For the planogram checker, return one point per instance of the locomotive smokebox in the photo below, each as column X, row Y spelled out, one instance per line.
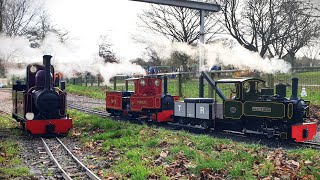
column 281, row 90
column 47, row 65
column 294, row 95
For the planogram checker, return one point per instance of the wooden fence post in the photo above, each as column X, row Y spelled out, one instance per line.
column 127, row 85
column 180, row 85
column 270, row 80
column 98, row 81
column 210, row 89
column 92, row 79
column 115, row 83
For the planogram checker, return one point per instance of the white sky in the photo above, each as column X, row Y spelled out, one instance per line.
column 87, row 20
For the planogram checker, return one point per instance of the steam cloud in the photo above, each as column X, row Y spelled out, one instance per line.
column 67, row 58
column 225, row 53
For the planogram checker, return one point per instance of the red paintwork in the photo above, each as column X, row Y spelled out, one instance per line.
column 176, row 98
column 138, row 103
column 297, row 131
column 114, row 100
column 38, row 127
column 164, row 116
column 149, row 89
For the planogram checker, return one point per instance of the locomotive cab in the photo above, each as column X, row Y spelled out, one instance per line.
column 243, row 88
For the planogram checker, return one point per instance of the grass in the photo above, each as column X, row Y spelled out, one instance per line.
column 93, row 92
column 10, row 163
column 144, row 152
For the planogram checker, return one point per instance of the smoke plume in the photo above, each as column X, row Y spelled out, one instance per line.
column 227, row 53
column 68, row 58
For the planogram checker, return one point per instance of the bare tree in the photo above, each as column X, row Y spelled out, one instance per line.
column 41, row 28
column 18, row 16
column 1, row 15
column 255, row 26
column 301, row 26
column 274, row 28
column 105, row 50
column 178, row 24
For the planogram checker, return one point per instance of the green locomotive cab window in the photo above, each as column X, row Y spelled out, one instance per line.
column 246, row 87
column 259, row 86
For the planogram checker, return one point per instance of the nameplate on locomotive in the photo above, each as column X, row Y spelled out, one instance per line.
column 261, row 109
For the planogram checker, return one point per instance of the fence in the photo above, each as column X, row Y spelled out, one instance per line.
column 186, row 84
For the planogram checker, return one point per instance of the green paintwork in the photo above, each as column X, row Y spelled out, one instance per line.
column 233, row 109
column 264, row 109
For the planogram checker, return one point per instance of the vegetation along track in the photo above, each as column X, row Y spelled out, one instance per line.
column 237, row 136
column 68, row 164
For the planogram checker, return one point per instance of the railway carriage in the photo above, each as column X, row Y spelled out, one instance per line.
column 38, row 105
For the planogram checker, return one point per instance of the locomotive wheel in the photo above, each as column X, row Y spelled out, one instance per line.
column 23, row 126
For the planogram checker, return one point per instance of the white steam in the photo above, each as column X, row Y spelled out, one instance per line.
column 67, row 58
column 239, row 57
column 227, row 54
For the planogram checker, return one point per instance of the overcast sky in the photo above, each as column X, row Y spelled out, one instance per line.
column 87, row 20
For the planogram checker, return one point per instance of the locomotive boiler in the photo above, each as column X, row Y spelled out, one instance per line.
column 38, row 105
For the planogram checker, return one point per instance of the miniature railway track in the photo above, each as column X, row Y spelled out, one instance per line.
column 89, row 102
column 68, row 164
column 312, row 145
column 88, row 110
column 199, row 130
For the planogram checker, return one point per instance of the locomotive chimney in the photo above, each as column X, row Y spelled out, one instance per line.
column 165, row 84
column 294, row 95
column 47, row 65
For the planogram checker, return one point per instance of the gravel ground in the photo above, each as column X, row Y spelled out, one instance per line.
column 86, row 101
column 33, row 154
column 5, row 100
column 90, row 154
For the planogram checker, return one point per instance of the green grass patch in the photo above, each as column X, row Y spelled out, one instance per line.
column 10, row 163
column 145, row 152
column 89, row 91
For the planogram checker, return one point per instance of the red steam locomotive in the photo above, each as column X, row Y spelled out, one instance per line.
column 147, row 101
column 38, row 105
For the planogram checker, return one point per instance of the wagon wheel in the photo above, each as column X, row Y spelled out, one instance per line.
column 204, row 124
column 22, row 125
column 181, row 121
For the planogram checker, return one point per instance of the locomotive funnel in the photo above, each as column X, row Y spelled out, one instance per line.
column 294, row 95
column 47, row 64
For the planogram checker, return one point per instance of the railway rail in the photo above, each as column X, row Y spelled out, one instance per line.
column 174, row 126
column 68, row 164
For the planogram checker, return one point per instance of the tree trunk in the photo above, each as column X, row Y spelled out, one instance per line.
column 291, row 56
column 1, row 16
